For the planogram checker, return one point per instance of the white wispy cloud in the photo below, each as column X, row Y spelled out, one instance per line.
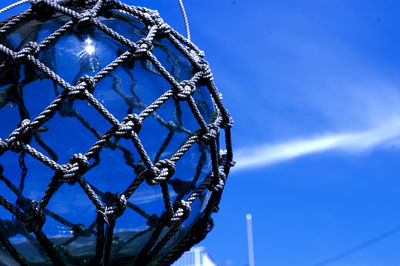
column 267, row 154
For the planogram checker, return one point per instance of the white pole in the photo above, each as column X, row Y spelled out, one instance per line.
column 250, row 246
column 197, row 259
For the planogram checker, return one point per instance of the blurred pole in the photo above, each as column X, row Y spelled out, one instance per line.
column 250, row 247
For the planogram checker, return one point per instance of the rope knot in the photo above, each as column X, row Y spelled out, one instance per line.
column 223, row 159
column 144, row 45
column 25, row 133
column 153, row 17
column 68, row 175
column 217, row 184
column 134, row 121
column 124, row 131
column 35, row 218
column 157, row 19
column 86, row 82
column 211, row 134
column 200, row 52
column 150, row 174
column 227, row 122
column 118, row 205
column 185, row 90
column 85, row 16
column 31, row 48
column 164, row 28
column 22, row 134
column 77, row 165
column 166, row 169
column 182, row 211
column 195, row 54
column 82, row 162
column 205, row 70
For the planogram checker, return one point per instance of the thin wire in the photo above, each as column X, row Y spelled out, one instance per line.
column 359, row 247
column 13, row 5
column 185, row 18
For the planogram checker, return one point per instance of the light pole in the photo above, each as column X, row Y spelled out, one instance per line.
column 250, row 246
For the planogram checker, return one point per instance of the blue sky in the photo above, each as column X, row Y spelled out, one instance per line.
column 314, row 90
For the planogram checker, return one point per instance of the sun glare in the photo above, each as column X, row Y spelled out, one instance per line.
column 89, row 48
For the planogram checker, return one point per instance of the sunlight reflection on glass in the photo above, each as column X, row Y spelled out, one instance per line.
column 89, row 48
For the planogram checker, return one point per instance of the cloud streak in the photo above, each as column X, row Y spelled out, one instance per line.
column 351, row 142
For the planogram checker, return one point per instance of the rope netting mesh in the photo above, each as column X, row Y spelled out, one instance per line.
column 29, row 216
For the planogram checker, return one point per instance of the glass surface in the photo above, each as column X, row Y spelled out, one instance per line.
column 25, row 92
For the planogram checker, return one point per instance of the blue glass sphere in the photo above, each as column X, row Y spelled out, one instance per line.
column 26, row 91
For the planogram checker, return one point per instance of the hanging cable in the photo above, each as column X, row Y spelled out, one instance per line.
column 359, row 247
column 185, row 18
column 13, row 5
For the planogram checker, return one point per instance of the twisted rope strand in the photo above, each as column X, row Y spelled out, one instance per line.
column 13, row 5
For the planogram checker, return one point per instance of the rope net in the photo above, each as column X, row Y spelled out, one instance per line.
column 165, row 237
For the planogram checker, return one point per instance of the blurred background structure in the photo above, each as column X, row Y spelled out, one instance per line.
column 197, row 256
column 314, row 89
